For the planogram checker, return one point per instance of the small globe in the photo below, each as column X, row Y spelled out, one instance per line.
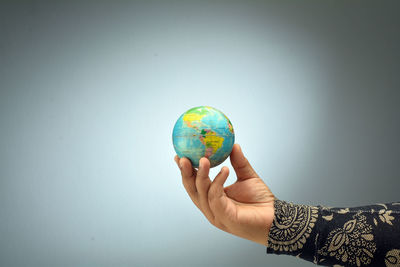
column 203, row 132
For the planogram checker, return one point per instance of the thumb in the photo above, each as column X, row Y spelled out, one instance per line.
column 240, row 164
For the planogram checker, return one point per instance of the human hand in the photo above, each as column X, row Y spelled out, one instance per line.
column 244, row 209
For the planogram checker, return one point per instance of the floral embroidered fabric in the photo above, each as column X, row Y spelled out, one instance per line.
column 359, row 236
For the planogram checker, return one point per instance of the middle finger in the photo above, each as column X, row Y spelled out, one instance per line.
column 203, row 183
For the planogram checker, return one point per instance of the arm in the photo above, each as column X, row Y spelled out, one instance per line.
column 359, row 236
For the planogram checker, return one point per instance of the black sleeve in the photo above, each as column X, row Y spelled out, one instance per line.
column 359, row 236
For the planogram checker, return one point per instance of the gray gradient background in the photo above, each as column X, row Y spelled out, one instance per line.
column 90, row 91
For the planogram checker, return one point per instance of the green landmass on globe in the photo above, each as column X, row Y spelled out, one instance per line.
column 203, row 132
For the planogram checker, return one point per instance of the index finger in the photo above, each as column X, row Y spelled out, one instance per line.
column 188, row 178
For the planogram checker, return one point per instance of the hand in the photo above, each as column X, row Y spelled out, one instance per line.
column 244, row 209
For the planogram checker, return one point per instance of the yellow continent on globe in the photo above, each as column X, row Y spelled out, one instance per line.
column 189, row 118
column 212, row 142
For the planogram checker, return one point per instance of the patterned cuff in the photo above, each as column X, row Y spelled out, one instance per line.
column 293, row 231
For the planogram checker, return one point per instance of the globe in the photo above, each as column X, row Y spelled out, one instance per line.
column 203, row 132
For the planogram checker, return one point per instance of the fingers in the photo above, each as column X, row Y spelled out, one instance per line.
column 217, row 186
column 203, row 183
column 240, row 164
column 188, row 178
column 219, row 203
column 198, row 185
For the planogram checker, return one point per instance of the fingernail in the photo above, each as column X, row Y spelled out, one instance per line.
column 200, row 163
column 180, row 165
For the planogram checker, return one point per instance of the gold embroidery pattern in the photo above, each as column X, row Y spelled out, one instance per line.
column 392, row 258
column 353, row 244
column 292, row 226
column 384, row 216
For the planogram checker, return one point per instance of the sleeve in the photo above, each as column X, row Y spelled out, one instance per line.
column 359, row 236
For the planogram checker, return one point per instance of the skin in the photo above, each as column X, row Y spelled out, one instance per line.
column 244, row 209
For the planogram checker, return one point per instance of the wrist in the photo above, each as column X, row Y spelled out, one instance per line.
column 259, row 229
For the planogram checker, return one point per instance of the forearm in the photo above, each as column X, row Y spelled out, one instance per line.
column 359, row 236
